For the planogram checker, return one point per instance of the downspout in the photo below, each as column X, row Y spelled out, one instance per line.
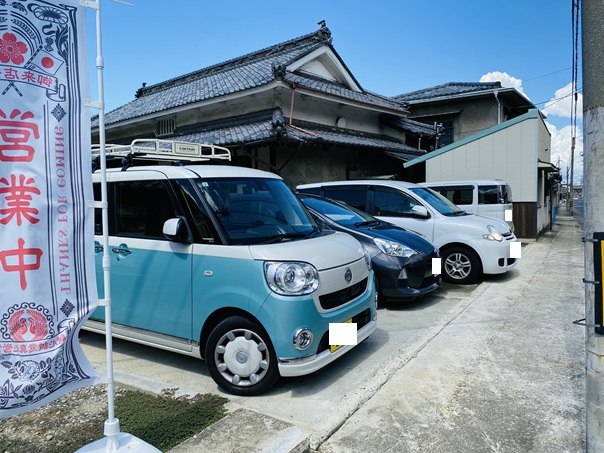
column 291, row 112
column 498, row 108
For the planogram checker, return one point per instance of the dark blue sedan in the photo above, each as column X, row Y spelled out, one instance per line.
column 402, row 260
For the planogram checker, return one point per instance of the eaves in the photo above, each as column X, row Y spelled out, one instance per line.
column 345, row 100
column 456, row 97
column 186, row 107
column 275, row 84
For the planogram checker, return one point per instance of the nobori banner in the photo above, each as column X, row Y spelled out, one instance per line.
column 46, row 230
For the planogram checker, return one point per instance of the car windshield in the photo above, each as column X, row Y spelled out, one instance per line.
column 437, row 201
column 342, row 214
column 257, row 210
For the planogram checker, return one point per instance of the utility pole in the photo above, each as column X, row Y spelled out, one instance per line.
column 592, row 18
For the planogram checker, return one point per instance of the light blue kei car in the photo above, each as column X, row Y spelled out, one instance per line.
column 224, row 263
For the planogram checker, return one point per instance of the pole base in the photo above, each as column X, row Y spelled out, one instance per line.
column 126, row 443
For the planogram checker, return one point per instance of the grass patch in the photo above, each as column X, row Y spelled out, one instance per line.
column 77, row 419
column 165, row 421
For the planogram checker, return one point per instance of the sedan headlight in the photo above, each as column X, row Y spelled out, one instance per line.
column 392, row 248
column 291, row 278
column 494, row 234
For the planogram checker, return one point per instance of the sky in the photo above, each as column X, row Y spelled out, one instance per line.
column 391, row 47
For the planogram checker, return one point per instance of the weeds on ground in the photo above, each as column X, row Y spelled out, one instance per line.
column 65, row 425
column 167, row 421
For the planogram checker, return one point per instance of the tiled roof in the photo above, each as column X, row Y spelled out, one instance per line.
column 249, row 71
column 339, row 90
column 447, row 89
column 407, row 124
column 271, row 125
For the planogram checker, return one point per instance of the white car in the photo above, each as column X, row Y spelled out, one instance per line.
column 470, row 245
column 485, row 197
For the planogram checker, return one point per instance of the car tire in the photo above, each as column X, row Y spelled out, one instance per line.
column 240, row 357
column 460, row 265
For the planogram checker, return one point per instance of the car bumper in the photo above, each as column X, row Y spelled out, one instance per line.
column 495, row 256
column 402, row 278
column 314, row 362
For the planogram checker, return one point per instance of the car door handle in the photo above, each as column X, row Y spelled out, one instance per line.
column 121, row 251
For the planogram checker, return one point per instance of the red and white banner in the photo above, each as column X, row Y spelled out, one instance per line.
column 47, row 275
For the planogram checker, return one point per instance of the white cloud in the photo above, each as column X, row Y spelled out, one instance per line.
column 507, row 81
column 561, row 104
column 561, row 151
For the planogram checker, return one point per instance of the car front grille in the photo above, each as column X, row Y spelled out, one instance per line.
column 361, row 320
column 343, row 296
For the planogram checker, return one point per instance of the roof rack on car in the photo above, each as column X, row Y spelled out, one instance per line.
column 160, row 150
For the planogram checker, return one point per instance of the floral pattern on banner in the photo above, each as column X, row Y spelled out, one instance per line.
column 46, row 229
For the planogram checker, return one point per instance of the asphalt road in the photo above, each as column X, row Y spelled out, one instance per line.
column 304, row 401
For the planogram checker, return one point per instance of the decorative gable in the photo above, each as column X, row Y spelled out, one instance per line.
column 324, row 63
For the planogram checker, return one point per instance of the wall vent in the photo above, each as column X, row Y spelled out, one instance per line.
column 165, row 127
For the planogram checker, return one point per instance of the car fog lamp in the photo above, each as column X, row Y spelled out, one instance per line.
column 303, row 339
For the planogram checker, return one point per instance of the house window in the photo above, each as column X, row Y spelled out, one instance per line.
column 446, row 134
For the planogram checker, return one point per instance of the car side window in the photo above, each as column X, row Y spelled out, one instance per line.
column 142, row 207
column 459, row 195
column 197, row 212
column 98, row 213
column 489, row 195
column 354, row 196
column 392, row 203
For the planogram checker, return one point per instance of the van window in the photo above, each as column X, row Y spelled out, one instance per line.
column 457, row 194
column 198, row 212
column 392, row 203
column 355, row 196
column 98, row 213
column 142, row 207
column 491, row 195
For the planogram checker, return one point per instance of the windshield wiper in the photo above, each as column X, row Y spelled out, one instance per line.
column 281, row 237
column 367, row 223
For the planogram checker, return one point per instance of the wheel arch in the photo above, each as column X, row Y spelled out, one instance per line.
column 451, row 245
column 218, row 316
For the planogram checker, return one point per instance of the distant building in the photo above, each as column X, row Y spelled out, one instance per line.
column 490, row 132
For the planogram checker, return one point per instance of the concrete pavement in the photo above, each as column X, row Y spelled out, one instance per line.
column 502, row 372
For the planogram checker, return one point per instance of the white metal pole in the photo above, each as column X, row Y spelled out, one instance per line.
column 113, row 437
column 112, row 424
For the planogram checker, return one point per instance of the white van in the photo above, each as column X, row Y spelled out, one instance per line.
column 226, row 264
column 485, row 197
column 470, row 245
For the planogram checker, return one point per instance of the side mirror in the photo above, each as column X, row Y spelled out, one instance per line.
column 420, row 211
column 176, row 230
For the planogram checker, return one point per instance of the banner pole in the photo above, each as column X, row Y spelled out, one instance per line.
column 112, row 425
column 114, row 441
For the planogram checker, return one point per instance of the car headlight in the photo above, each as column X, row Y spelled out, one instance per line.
column 367, row 259
column 494, row 234
column 291, row 278
column 392, row 248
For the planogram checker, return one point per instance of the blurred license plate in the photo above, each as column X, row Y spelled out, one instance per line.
column 335, row 347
